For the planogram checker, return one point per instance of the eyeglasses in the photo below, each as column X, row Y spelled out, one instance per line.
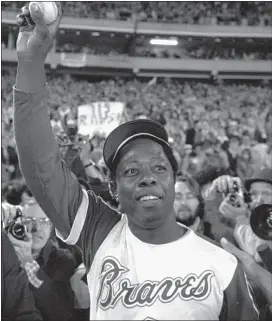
column 30, row 222
column 266, row 195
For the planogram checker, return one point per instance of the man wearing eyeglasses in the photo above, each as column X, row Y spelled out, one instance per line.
column 48, row 268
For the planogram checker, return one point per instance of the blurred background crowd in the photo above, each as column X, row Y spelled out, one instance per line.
column 230, row 121
column 252, row 13
column 217, row 127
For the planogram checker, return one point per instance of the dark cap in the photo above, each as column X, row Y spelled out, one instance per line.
column 140, row 128
column 263, row 175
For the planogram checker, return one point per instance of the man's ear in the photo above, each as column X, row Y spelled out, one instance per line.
column 113, row 189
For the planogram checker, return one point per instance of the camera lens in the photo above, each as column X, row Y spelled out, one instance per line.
column 261, row 221
column 18, row 231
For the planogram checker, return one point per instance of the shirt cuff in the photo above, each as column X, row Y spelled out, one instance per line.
column 31, row 269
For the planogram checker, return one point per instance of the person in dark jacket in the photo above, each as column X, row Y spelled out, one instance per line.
column 48, row 267
column 16, row 297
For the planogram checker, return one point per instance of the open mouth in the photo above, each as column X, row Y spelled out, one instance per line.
column 148, row 198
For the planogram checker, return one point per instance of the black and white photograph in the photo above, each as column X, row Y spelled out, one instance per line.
column 136, row 160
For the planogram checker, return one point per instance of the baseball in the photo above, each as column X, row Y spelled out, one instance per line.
column 49, row 9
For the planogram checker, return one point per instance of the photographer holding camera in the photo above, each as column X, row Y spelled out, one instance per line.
column 239, row 202
column 48, row 267
column 17, row 302
column 238, row 209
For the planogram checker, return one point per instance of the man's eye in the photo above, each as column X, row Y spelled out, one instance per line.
column 131, row 171
column 160, row 168
column 190, row 196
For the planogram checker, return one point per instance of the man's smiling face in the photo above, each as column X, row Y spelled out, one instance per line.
column 145, row 183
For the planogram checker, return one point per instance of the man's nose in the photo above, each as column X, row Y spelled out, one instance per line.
column 147, row 179
column 183, row 200
column 35, row 227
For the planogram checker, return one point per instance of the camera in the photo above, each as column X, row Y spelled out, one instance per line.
column 233, row 197
column 261, row 221
column 16, row 228
column 71, row 132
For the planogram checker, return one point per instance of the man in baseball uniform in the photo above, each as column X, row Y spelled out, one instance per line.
column 141, row 264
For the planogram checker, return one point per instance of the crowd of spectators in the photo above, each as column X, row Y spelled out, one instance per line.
column 215, row 129
column 203, row 52
column 198, row 52
column 87, row 49
column 251, row 13
column 220, row 114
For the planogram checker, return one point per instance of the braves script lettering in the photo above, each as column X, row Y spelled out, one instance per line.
column 191, row 287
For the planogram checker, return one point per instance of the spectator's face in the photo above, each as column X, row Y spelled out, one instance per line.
column 205, row 125
column 246, row 140
column 186, row 203
column 234, row 143
column 261, row 193
column 38, row 224
column 145, row 184
column 246, row 155
column 251, row 122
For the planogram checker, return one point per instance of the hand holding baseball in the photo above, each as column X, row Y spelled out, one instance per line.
column 35, row 36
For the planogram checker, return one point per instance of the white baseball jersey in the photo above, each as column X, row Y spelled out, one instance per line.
column 132, row 280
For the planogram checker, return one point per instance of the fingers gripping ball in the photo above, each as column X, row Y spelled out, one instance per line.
column 49, row 10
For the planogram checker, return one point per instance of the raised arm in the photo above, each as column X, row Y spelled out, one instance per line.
column 55, row 188
column 80, row 217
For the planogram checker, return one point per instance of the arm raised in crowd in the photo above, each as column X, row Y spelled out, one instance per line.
column 81, row 218
column 53, row 185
